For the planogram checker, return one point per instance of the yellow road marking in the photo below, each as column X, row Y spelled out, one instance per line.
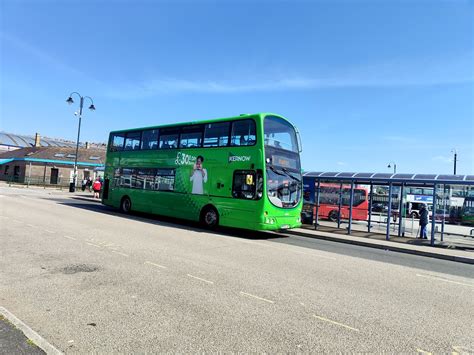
column 94, row 245
column 154, row 264
column 256, row 297
column 461, row 350
column 198, row 278
column 117, row 252
column 445, row 280
column 334, row 322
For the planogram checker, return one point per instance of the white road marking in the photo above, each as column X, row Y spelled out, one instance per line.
column 198, row 278
column 437, row 278
column 94, row 245
column 48, row 231
column 154, row 264
column 30, row 225
column 117, row 252
column 419, row 351
column 256, row 297
column 68, row 237
column 334, row 322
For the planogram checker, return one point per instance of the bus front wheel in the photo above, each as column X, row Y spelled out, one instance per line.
column 125, row 205
column 209, row 217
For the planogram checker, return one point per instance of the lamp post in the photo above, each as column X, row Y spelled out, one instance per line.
column 72, row 185
column 455, row 158
column 394, row 166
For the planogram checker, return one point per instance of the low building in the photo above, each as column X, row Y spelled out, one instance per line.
column 51, row 165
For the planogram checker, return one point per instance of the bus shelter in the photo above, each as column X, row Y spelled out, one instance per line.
column 390, row 204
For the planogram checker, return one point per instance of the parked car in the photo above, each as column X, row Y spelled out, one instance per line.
column 379, row 207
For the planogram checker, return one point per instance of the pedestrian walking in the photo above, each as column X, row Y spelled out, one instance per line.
column 423, row 221
column 84, row 184
column 96, row 187
column 89, row 184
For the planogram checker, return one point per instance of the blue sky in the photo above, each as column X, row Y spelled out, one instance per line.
column 367, row 82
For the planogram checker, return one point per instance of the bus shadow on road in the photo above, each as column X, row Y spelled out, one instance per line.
column 165, row 221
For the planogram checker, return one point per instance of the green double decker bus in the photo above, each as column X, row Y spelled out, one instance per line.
column 239, row 172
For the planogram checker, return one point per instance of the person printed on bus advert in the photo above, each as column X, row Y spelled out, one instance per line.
column 198, row 176
column 423, row 221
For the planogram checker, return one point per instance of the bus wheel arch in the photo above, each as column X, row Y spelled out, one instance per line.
column 209, row 216
column 125, row 204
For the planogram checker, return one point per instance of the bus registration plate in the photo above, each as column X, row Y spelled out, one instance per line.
column 285, row 226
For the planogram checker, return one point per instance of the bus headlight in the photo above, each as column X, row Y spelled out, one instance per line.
column 269, row 220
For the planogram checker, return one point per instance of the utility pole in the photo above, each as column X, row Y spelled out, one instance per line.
column 455, row 159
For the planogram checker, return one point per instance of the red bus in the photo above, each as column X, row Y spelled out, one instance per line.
column 329, row 203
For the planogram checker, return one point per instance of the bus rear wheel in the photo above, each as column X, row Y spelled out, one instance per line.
column 333, row 215
column 209, row 217
column 125, row 205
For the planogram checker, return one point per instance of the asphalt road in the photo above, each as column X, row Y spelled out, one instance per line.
column 89, row 279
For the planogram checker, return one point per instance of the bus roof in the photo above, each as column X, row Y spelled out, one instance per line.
column 242, row 116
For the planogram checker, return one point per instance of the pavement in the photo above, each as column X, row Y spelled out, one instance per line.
column 447, row 251
column 14, row 341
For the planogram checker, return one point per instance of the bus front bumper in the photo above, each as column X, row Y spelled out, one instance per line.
column 280, row 222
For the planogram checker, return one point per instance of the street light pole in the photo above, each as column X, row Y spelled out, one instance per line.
column 72, row 185
column 455, row 159
column 394, row 166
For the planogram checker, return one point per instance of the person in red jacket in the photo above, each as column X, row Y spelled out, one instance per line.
column 96, row 186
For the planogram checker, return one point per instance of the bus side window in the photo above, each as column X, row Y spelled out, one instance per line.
column 216, row 134
column 191, row 137
column 150, row 139
column 132, row 141
column 116, row 142
column 169, row 138
column 243, row 133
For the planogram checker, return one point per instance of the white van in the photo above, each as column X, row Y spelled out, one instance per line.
column 415, row 207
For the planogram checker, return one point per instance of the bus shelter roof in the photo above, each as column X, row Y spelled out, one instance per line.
column 395, row 179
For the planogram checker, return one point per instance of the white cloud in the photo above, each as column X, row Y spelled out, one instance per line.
column 395, row 74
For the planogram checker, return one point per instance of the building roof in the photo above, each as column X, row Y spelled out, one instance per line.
column 57, row 155
column 24, row 141
column 394, row 178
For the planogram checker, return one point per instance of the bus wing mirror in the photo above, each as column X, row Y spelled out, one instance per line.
column 298, row 138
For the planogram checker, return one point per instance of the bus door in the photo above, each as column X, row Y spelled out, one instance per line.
column 246, row 189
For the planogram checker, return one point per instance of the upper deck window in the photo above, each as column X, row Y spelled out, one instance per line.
column 150, row 139
column 191, row 137
column 280, row 134
column 169, row 138
column 216, row 134
column 243, row 133
column 132, row 141
column 116, row 141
